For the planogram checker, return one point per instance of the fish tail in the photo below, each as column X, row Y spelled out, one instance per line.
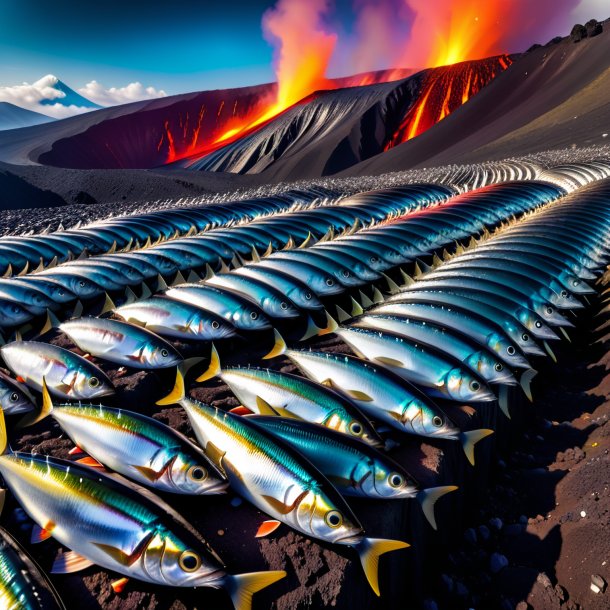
column 525, row 382
column 46, row 408
column 242, row 587
column 3, row 435
column 503, row 400
column 428, row 497
column 213, row 368
column 279, row 346
column 178, row 393
column 470, row 439
column 50, row 323
column 369, row 550
column 331, row 325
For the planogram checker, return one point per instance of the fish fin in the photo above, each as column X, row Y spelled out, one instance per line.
column 357, row 395
column 307, row 241
column 525, row 382
column 46, row 408
column 267, row 527
column 223, row 266
column 215, row 455
column 342, row 315
column 78, row 309
column 89, row 461
column 237, row 261
column 69, row 562
column 213, row 368
column 2, row 499
column 549, row 351
column 179, row 279
column 145, row 292
column 209, row 272
column 264, row 408
column 268, row 251
column 289, row 244
column 366, row 302
column 331, row 325
column 112, row 248
column 470, row 411
column 369, row 550
column 564, row 332
column 25, row 269
column 193, row 277
column 9, row 271
column 119, row 585
column 436, row 261
column 393, row 287
column 389, row 361
column 50, row 323
column 189, row 363
column 282, row 507
column 76, row 450
column 130, row 296
column 254, row 255
column 40, row 534
column 503, row 400
column 177, row 394
column 311, row 331
column 428, row 497
column 356, row 308
column 329, row 383
column 279, row 346
column 241, row 410
column 377, row 296
column 470, row 439
column 161, row 284
column 148, row 473
column 108, row 305
column 242, row 587
column 418, row 272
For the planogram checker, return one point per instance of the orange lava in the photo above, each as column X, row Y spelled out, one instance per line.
column 444, row 90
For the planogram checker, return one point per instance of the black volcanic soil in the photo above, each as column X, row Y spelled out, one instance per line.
column 512, row 534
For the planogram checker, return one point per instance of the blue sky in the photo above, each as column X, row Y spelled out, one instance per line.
column 175, row 46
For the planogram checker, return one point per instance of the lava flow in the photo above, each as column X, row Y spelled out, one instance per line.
column 443, row 90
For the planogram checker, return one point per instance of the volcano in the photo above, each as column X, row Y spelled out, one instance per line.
column 13, row 117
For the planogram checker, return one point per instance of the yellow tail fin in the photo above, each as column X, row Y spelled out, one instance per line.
column 279, row 346
column 428, row 497
column 178, row 393
column 214, row 367
column 242, row 587
column 3, row 436
column 45, row 408
column 470, row 439
column 370, row 550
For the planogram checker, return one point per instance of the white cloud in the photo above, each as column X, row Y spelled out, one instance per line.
column 591, row 9
column 31, row 96
column 134, row 92
column 45, row 97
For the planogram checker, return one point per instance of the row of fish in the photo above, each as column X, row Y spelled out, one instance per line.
column 313, row 444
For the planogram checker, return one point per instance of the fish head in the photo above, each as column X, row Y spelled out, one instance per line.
column 12, row 314
column 561, row 297
column 347, row 277
column 522, row 338
column 159, row 355
column 354, row 425
column 89, row 383
column 325, row 284
column 505, row 349
column 13, row 400
column 428, row 420
column 326, row 518
column 250, row 318
column 169, row 560
column 463, row 386
column 550, row 314
column 81, row 286
column 389, row 481
column 489, row 367
column 574, row 283
column 190, row 475
column 279, row 308
column 532, row 321
column 304, row 298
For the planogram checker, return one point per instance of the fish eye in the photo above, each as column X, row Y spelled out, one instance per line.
column 82, row 283
column 575, row 282
column 510, row 350
column 475, row 386
column 549, row 310
column 15, row 309
column 345, row 273
column 525, row 337
column 164, row 353
column 14, row 397
column 215, row 324
column 284, row 305
column 437, row 421
column 395, row 480
column 330, row 281
column 356, row 428
column 197, row 473
column 538, row 324
column 333, row 518
column 189, row 561
column 374, row 259
column 564, row 294
column 498, row 367
column 94, row 382
column 253, row 315
column 308, row 296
